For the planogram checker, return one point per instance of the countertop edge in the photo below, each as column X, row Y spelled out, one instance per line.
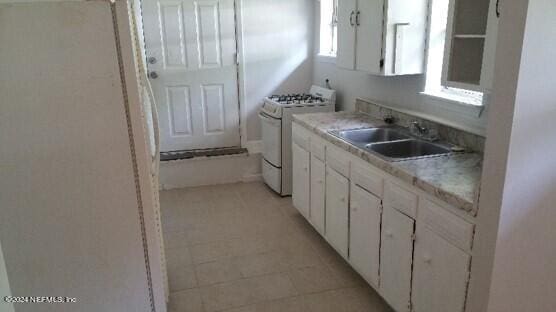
column 390, row 167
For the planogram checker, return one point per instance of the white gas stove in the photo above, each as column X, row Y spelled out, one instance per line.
column 276, row 118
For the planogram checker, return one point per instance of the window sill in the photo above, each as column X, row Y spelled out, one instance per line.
column 324, row 58
column 455, row 105
column 453, row 99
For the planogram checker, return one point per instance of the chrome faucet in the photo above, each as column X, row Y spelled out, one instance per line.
column 423, row 132
column 415, row 125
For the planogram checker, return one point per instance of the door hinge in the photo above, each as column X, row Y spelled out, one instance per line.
column 413, row 237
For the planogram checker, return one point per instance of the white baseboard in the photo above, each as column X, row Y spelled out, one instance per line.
column 210, row 171
column 254, row 147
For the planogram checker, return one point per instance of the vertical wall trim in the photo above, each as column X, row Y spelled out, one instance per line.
column 133, row 154
column 242, row 95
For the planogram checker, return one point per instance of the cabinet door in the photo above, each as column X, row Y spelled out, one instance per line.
column 396, row 256
column 440, row 274
column 370, row 21
column 487, row 75
column 318, row 174
column 405, row 37
column 337, row 192
column 364, row 243
column 301, row 179
column 347, row 10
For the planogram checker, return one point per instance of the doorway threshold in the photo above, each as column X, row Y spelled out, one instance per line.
column 215, row 152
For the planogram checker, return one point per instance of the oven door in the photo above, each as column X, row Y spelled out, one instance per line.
column 272, row 139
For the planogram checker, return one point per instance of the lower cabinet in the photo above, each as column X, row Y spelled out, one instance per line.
column 413, row 251
column 364, row 242
column 337, row 213
column 440, row 274
column 318, row 191
column 396, row 259
column 301, row 179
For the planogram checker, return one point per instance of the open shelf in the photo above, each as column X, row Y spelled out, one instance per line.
column 466, row 60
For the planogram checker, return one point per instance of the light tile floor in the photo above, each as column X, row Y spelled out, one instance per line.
column 242, row 248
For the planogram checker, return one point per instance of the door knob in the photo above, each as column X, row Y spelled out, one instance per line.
column 153, row 75
column 151, row 60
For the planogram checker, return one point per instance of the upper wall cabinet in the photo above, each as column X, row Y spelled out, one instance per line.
column 382, row 37
column 470, row 44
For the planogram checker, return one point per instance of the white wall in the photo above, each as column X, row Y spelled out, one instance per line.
column 4, row 285
column 402, row 91
column 277, row 43
column 524, row 272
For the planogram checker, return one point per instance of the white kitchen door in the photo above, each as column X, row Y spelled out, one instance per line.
column 191, row 55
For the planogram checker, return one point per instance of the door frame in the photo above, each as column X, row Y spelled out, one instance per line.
column 241, row 77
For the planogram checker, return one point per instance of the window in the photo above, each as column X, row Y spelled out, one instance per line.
column 328, row 27
column 437, row 38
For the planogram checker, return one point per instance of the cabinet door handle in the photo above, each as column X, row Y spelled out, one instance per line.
column 427, row 259
column 388, row 234
column 357, row 18
column 497, row 8
column 351, row 18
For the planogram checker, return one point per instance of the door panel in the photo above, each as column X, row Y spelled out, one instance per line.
column 318, row 175
column 364, row 251
column 346, row 34
column 337, row 213
column 208, row 34
column 173, row 45
column 301, row 180
column 396, row 255
column 191, row 45
column 213, row 108
column 180, row 110
column 439, row 275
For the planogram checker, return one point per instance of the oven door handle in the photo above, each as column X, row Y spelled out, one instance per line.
column 270, row 119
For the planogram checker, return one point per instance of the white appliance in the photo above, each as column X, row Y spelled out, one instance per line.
column 276, row 121
column 79, row 179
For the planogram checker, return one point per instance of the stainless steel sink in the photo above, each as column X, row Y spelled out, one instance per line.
column 401, row 150
column 391, row 143
column 371, row 135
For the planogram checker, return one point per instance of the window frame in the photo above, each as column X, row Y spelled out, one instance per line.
column 329, row 56
column 433, row 86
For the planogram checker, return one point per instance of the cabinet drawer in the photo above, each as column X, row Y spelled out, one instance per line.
column 318, row 147
column 367, row 179
column 302, row 141
column 337, row 160
column 446, row 224
column 301, row 137
column 400, row 199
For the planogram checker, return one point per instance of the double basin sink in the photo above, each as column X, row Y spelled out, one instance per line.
column 392, row 144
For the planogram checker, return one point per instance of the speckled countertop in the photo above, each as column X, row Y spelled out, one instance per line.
column 454, row 179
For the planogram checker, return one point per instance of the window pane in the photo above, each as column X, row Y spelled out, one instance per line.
column 328, row 27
